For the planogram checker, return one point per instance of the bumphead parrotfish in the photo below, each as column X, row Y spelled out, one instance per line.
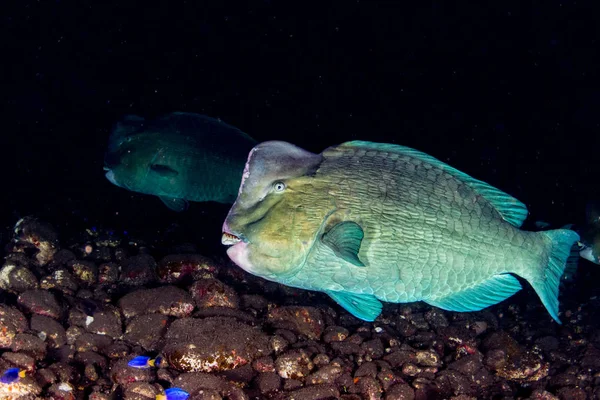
column 178, row 157
column 368, row 222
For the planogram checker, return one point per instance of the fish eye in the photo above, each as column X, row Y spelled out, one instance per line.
column 279, row 186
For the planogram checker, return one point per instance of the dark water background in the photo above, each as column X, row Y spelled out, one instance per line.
column 505, row 91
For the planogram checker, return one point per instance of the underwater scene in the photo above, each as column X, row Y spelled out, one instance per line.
column 300, row 200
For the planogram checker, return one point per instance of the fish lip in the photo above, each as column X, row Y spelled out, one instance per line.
column 230, row 239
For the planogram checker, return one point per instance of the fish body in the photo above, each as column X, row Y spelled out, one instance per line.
column 12, row 375
column 369, row 222
column 173, row 394
column 143, row 362
column 178, row 157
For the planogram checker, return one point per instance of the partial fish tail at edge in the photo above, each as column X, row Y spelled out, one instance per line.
column 546, row 279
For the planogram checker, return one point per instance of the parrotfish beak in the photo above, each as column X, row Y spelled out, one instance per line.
column 238, row 252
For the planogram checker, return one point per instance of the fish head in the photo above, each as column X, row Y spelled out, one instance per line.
column 139, row 164
column 277, row 215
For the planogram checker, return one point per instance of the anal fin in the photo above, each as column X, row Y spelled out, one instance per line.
column 485, row 294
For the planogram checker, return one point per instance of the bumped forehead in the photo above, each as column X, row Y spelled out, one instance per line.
column 274, row 160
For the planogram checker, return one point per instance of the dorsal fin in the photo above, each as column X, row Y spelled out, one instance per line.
column 509, row 208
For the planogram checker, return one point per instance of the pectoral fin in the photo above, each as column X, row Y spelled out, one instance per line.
column 345, row 239
column 363, row 306
column 175, row 204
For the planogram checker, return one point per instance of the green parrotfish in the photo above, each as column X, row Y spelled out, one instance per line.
column 178, row 157
column 368, row 222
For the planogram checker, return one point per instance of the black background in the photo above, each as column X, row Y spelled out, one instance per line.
column 505, row 91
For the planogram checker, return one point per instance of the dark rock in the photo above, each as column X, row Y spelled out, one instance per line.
column 547, row 344
column 62, row 280
column 278, row 344
column 167, row 300
column 49, row 330
column 591, row 358
column 335, row 334
column 451, row 382
column 495, row 359
column 45, row 376
column 16, row 277
column 264, row 364
column 321, row 359
column 38, row 236
column 242, row 375
column 468, row 365
column 200, row 345
column 427, row 358
column 405, row 328
column 64, row 372
column 410, row 369
column 178, row 267
column 436, row 318
column 12, row 322
column 20, row 360
column 400, row 392
column 293, row 364
column 106, row 322
column 108, row 273
column 268, row 382
column 73, row 332
column 291, row 384
column 138, row 270
column 92, row 342
column 255, row 302
column 289, row 336
column 387, row 378
column 86, row 272
column 317, row 392
column 398, row 357
column 542, row 395
column 195, row 382
column 325, row 374
column 29, row 344
column 307, row 321
column 571, row 393
column 116, row 350
column 147, row 330
column 240, row 315
column 213, row 293
column 373, row 349
column 123, row 374
column 366, row 369
column 563, row 379
column 345, row 348
column 40, row 302
column 369, row 387
column 141, row 391
column 91, row 358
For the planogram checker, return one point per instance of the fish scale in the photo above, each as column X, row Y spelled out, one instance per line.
column 377, row 222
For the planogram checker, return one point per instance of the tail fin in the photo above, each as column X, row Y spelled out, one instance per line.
column 546, row 284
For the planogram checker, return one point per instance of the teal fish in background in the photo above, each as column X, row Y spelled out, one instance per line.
column 369, row 222
column 588, row 246
column 178, row 157
column 590, row 234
